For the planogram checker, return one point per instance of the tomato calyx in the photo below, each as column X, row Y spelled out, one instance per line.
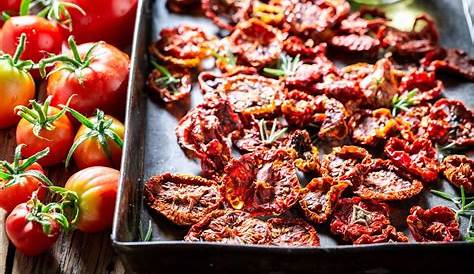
column 12, row 173
column 75, row 64
column 57, row 11
column 101, row 129
column 14, row 61
column 38, row 115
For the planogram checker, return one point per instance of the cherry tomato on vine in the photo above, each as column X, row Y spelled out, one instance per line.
column 17, row 86
column 45, row 126
column 96, row 188
column 96, row 72
column 98, row 141
column 19, row 179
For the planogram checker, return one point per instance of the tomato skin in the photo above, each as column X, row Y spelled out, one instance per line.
column 103, row 84
column 21, row 192
column 112, row 21
column 28, row 237
column 42, row 37
column 10, row 6
column 90, row 152
column 97, row 190
column 16, row 88
column 59, row 140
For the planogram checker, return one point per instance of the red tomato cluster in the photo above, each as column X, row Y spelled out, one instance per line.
column 86, row 76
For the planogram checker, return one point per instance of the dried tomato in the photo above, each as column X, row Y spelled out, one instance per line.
column 263, row 182
column 171, row 84
column 357, row 71
column 437, row 224
column 183, row 199
column 319, row 198
column 331, row 118
column 255, row 43
column 413, row 122
column 455, row 61
column 459, row 170
column 258, row 134
column 364, row 21
column 417, row 157
column 226, row 14
column 381, row 180
column 363, row 221
column 368, row 127
column 339, row 88
column 307, row 75
column 307, row 51
column 268, row 13
column 451, row 122
column 182, row 45
column 307, row 158
column 211, row 82
column 292, row 232
column 230, row 227
column 356, row 43
column 428, row 88
column 298, row 108
column 343, row 160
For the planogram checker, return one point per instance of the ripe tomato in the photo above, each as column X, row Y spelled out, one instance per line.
column 29, row 236
column 105, row 20
column 10, row 6
column 43, row 37
column 97, row 189
column 51, row 128
column 17, row 86
column 100, row 84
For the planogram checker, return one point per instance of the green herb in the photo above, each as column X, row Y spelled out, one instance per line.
column 167, row 80
column 266, row 137
column 470, row 231
column 226, row 57
column 287, row 66
column 403, row 102
column 464, row 205
column 146, row 237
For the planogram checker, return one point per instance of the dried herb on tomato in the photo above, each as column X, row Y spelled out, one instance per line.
column 292, row 232
column 437, row 224
column 171, row 84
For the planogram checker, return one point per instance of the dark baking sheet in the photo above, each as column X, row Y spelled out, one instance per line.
column 151, row 148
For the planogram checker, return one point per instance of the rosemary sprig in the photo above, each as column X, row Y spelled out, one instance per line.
column 287, row 66
column 226, row 57
column 470, row 232
column 464, row 205
column 269, row 138
column 167, row 80
column 146, row 236
column 404, row 101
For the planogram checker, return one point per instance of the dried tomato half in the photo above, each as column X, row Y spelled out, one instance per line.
column 170, row 84
column 368, row 127
column 364, row 21
column 263, row 182
column 182, row 199
column 182, row 45
column 417, row 157
column 307, row 158
column 437, row 224
column 292, row 232
column 307, row 51
column 451, row 122
column 331, row 117
column 343, row 160
column 381, row 180
column 306, row 76
column 363, row 222
column 226, row 14
column 455, row 61
column 230, row 227
column 356, row 43
column 459, row 170
column 319, row 198
column 298, row 108
column 261, row 133
column 255, row 43
column 428, row 88
column 413, row 122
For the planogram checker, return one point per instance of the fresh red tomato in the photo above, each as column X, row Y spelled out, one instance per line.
column 18, row 181
column 100, row 84
column 10, row 6
column 17, row 86
column 29, row 236
column 51, row 128
column 105, row 20
column 42, row 37
column 97, row 190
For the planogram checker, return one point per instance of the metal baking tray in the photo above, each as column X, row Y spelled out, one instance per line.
column 151, row 148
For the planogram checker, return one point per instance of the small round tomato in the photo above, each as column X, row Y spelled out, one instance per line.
column 97, row 190
column 44, row 126
column 29, row 236
column 21, row 178
column 17, row 86
column 10, row 6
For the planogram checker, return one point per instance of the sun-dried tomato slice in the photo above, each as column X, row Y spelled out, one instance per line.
column 417, row 157
column 172, row 87
column 428, row 88
column 260, row 133
column 298, row 108
column 356, row 43
column 230, row 227
column 182, row 45
column 413, row 122
column 293, row 232
column 268, row 13
column 381, row 180
column 331, row 117
column 459, row 170
column 226, row 14
column 343, row 160
column 307, row 158
column 341, row 89
column 363, row 221
column 451, row 122
column 437, row 224
column 255, row 43
column 368, row 127
column 263, row 182
column 363, row 21
column 307, row 51
column 307, row 75
column 455, row 61
column 182, row 199
column 319, row 198
column 357, row 71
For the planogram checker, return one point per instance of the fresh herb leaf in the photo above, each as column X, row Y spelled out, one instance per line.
column 464, row 205
column 270, row 137
column 404, row 101
column 167, row 80
column 287, row 66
